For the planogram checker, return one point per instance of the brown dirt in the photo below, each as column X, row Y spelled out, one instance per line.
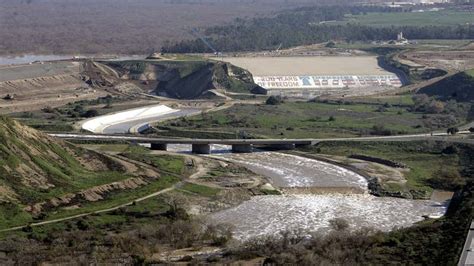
column 449, row 60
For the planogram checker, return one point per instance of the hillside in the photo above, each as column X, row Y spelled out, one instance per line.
column 39, row 174
column 185, row 79
column 459, row 87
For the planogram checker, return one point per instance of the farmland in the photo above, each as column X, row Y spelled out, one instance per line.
column 443, row 17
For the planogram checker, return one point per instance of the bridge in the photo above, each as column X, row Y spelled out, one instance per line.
column 203, row 146
column 199, row 146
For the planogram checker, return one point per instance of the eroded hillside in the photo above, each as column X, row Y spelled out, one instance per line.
column 39, row 173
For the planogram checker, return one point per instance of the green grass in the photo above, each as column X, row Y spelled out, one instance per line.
column 307, row 120
column 201, row 190
column 439, row 18
column 11, row 214
column 169, row 163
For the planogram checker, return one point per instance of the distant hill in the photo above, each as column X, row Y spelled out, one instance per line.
column 459, row 87
column 39, row 173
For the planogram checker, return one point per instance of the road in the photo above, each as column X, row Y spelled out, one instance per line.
column 136, row 139
column 467, row 256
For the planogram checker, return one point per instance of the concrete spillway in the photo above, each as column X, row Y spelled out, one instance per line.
column 133, row 119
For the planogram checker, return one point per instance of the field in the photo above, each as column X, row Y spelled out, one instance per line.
column 310, row 120
column 444, row 17
column 314, row 65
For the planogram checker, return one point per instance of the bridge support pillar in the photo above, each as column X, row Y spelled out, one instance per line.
column 201, row 148
column 286, row 146
column 159, row 146
column 242, row 148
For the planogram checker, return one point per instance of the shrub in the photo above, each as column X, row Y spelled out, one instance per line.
column 274, row 100
column 339, row 224
column 90, row 113
column 380, row 130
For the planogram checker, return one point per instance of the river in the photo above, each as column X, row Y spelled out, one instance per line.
column 268, row 215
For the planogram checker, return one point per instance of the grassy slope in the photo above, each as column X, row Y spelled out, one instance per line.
column 52, row 160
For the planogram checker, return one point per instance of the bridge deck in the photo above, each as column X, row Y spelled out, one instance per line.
column 184, row 141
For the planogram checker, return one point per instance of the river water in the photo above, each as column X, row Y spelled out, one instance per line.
column 267, row 215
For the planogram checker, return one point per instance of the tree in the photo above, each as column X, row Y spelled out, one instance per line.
column 330, row 44
column 420, row 101
column 90, row 113
column 452, row 130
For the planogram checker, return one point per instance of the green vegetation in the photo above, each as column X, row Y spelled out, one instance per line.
column 430, row 164
column 200, row 190
column 59, row 169
column 132, row 233
column 316, row 120
column 117, row 198
column 443, row 17
column 62, row 118
column 167, row 163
